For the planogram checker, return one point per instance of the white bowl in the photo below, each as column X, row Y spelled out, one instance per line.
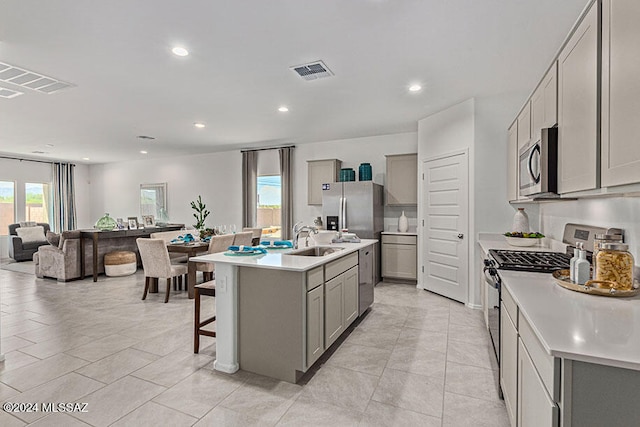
column 324, row 237
column 523, row 241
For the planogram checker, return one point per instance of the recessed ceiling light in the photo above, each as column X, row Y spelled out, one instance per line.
column 143, row 152
column 180, row 51
column 199, row 125
column 283, row 109
column 415, row 88
column 86, row 158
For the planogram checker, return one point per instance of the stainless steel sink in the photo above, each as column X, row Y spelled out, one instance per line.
column 315, row 251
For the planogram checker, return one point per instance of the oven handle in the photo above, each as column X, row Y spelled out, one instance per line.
column 490, row 279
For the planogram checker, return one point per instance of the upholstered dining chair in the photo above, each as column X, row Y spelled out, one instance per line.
column 217, row 244
column 257, row 235
column 245, row 238
column 157, row 264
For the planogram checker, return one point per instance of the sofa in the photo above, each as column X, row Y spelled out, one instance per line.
column 20, row 250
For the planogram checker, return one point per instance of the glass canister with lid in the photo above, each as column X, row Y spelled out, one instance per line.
column 599, row 240
column 614, row 263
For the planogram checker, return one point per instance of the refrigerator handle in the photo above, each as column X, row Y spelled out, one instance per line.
column 340, row 220
column 344, row 213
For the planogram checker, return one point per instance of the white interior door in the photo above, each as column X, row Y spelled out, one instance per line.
column 446, row 223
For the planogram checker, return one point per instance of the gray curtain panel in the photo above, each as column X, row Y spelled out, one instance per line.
column 249, row 188
column 64, row 197
column 287, row 191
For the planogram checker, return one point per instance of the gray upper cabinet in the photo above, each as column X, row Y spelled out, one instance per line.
column 402, row 180
column 544, row 103
column 524, row 125
column 620, row 92
column 512, row 163
column 578, row 137
column 320, row 172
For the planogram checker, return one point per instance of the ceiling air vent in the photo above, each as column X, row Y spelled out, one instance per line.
column 8, row 93
column 312, row 70
column 31, row 80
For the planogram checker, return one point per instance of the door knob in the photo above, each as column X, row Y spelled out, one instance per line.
column 460, row 236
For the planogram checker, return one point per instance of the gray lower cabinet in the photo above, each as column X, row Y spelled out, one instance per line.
column 509, row 364
column 399, row 257
column 334, row 313
column 315, row 324
column 341, row 304
column 535, row 407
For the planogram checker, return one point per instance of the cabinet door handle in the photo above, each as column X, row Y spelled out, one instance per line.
column 460, row 236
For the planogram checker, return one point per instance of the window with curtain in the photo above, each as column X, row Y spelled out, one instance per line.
column 38, row 206
column 266, row 189
column 7, row 206
column 269, row 206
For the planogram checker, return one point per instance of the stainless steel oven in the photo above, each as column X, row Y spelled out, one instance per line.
column 493, row 284
column 538, row 165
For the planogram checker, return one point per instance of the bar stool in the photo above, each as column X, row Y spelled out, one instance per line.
column 207, row 289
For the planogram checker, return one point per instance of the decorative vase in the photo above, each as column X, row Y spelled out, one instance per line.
column 403, row 223
column 364, row 172
column 520, row 221
column 106, row 223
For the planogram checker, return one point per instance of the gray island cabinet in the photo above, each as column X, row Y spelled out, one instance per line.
column 277, row 313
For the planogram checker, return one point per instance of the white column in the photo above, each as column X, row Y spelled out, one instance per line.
column 226, row 318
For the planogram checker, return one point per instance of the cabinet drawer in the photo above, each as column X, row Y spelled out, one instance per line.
column 401, row 240
column 548, row 367
column 340, row 265
column 510, row 306
column 315, row 278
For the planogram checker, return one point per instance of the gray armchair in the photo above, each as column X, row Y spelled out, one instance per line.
column 20, row 251
column 61, row 263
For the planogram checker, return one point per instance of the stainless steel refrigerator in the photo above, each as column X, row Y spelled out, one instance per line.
column 355, row 205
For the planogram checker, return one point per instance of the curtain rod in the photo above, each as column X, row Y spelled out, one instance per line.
column 270, row 148
column 30, row 160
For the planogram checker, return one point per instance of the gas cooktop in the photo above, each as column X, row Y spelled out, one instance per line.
column 541, row 262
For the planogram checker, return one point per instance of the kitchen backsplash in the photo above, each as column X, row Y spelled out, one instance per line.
column 621, row 212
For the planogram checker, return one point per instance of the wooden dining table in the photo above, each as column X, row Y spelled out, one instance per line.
column 189, row 249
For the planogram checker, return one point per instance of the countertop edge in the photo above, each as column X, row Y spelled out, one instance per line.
column 309, row 262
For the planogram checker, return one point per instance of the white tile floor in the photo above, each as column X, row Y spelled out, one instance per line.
column 415, row 359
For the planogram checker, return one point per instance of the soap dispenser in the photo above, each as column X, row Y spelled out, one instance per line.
column 572, row 263
column 582, row 267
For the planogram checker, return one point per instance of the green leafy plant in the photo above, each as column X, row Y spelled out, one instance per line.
column 201, row 213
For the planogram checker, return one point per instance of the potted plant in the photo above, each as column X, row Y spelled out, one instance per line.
column 201, row 213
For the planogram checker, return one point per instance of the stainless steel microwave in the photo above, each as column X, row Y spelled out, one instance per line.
column 538, row 165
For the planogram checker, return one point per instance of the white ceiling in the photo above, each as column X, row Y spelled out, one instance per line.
column 128, row 83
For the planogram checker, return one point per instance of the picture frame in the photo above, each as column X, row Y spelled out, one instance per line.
column 133, row 222
column 120, row 224
column 148, row 221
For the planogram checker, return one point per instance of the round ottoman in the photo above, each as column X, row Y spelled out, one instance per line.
column 120, row 263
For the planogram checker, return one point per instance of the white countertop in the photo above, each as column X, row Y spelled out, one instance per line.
column 572, row 325
column 397, row 233
column 497, row 241
column 278, row 258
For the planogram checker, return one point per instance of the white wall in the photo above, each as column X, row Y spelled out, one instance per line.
column 22, row 172
column 218, row 178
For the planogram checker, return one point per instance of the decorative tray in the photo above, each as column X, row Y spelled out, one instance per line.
column 593, row 287
column 243, row 253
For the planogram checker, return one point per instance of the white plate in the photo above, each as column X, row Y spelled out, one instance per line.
column 523, row 241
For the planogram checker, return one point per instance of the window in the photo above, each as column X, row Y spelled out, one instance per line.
column 269, row 205
column 38, row 205
column 7, row 206
column 153, row 201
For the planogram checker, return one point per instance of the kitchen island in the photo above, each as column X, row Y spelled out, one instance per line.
column 276, row 313
column 567, row 358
